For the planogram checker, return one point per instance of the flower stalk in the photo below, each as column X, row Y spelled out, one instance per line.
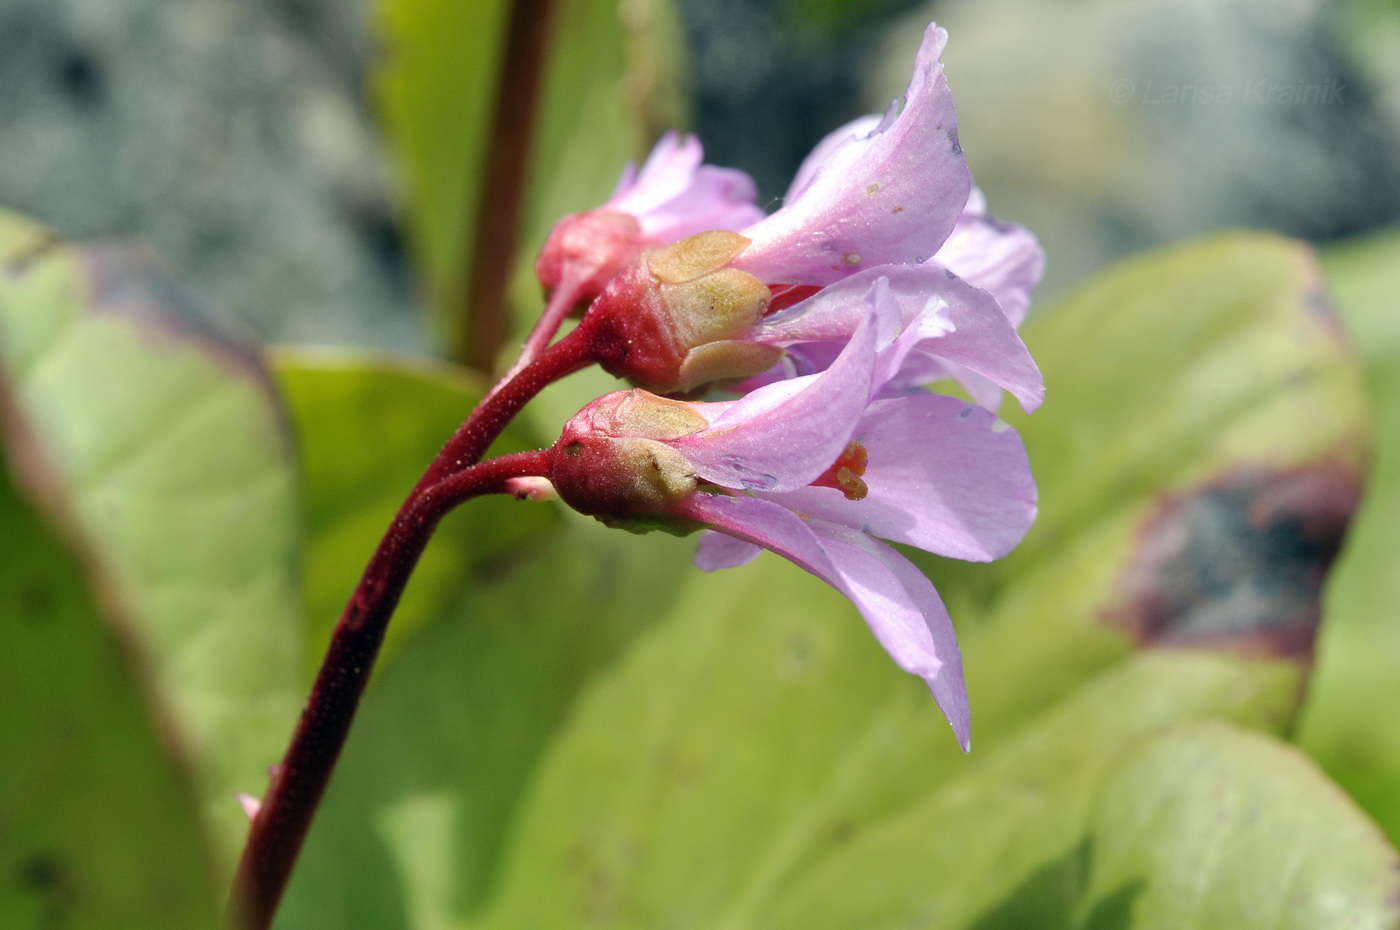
column 299, row 781
column 486, row 272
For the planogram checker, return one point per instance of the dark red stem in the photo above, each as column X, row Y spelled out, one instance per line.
column 502, row 185
column 277, row 832
column 466, row 447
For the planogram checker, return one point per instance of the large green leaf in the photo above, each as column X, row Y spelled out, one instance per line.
column 163, row 449
column 436, row 82
column 1205, row 425
column 97, row 825
column 366, row 428
column 412, row 829
column 556, row 753
column 1348, row 727
column 1213, row 827
column 1175, row 367
column 1002, row 846
column 1199, row 825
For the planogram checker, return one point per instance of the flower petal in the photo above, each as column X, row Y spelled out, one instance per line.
column 716, row 550
column 862, row 127
column 717, row 198
column 897, row 601
column 763, row 523
column 962, row 324
column 891, row 196
column 784, row 435
column 943, row 475
column 664, row 176
column 675, row 196
column 998, row 257
column 906, row 615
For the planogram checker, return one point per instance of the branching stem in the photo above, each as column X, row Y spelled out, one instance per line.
column 297, row 784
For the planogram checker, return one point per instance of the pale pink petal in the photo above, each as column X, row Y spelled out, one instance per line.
column 898, row 603
column 859, row 128
column 715, row 551
column 784, row 435
column 765, row 524
column 961, row 323
column 1001, row 258
column 891, row 196
column 906, row 615
column 664, row 176
column 943, row 475
column 925, row 370
column 899, row 337
column 717, row 198
column 675, row 196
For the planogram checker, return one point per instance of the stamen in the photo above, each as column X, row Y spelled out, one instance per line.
column 845, row 473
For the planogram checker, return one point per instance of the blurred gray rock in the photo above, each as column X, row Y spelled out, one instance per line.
column 770, row 78
column 231, row 135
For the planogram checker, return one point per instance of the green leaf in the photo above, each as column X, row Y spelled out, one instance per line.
column 709, row 757
column 412, row 829
column 366, row 429
column 1360, row 652
column 1210, row 826
column 1200, row 824
column 1177, row 366
column 1005, row 840
column 1187, row 392
column 435, row 83
column 98, row 827
column 163, row 450
column 709, row 753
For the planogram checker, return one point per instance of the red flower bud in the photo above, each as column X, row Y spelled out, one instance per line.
column 675, row 319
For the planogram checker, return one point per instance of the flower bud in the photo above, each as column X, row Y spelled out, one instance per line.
column 612, row 462
column 672, row 320
column 587, row 249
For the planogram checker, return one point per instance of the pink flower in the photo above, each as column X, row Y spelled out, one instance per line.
column 819, row 469
column 672, row 197
column 882, row 197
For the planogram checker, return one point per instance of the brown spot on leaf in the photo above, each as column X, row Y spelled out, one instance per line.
column 1239, row 563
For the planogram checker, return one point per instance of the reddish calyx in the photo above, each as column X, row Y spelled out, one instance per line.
column 785, row 295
